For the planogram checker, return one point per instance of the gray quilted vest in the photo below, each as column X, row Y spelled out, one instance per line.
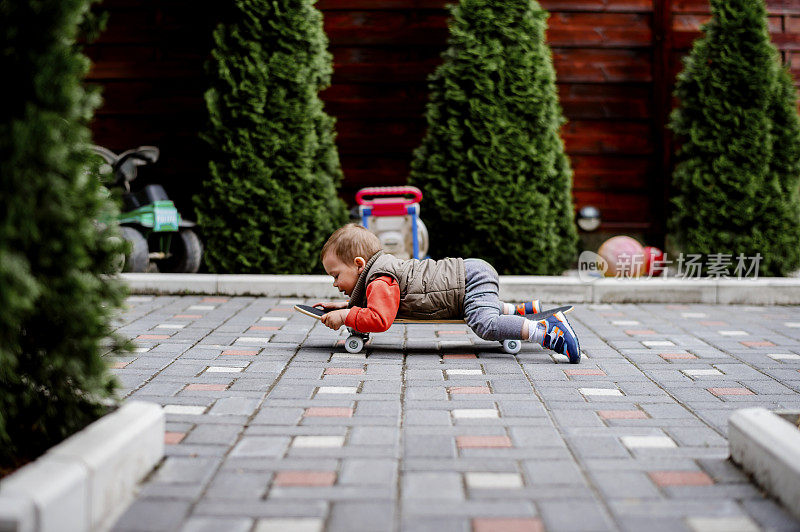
column 429, row 289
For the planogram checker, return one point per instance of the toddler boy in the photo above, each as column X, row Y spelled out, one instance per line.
column 382, row 287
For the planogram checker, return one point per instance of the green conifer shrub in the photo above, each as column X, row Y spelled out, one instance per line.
column 270, row 200
column 56, row 306
column 492, row 166
column 735, row 183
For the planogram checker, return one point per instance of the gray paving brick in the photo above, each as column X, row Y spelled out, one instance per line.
column 432, row 486
column 152, row 515
column 362, row 516
column 360, row 471
column 212, row 524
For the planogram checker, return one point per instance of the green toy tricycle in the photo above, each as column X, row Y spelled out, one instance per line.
column 149, row 219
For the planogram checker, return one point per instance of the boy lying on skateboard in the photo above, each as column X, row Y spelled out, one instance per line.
column 382, row 287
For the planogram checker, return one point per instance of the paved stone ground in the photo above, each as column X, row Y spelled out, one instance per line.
column 273, row 427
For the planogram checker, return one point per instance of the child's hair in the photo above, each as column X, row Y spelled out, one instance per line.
column 351, row 241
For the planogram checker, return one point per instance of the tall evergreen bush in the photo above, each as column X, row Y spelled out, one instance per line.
column 56, row 307
column 492, row 166
column 737, row 170
column 270, row 201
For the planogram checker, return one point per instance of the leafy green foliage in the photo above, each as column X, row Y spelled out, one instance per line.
column 492, row 166
column 56, row 305
column 270, row 201
column 737, row 170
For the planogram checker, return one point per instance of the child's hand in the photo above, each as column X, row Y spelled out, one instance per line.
column 331, row 305
column 334, row 319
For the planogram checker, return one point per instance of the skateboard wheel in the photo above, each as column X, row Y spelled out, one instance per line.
column 512, row 346
column 354, row 344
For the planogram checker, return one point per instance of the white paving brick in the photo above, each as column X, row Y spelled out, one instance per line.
column 139, row 299
column 252, row 340
column 318, row 441
column 184, row 409
column 702, row 372
column 647, row 442
column 792, row 324
column 600, row 391
column 450, row 372
column 141, row 349
column 271, row 318
column 733, row 333
column 289, row 525
column 337, row 389
column 474, row 413
column 625, row 322
column 722, row 524
column 171, row 326
column 694, row 315
column 783, row 356
column 223, row 369
column 657, row 343
column 493, row 480
column 202, row 307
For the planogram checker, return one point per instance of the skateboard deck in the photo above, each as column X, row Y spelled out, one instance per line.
column 317, row 313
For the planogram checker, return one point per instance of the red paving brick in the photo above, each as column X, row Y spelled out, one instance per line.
column 471, row 442
column 713, row 323
column 730, row 391
column 344, row 371
column 188, row 316
column 328, row 411
column 118, row 365
column 674, row 356
column 680, row 478
column 501, row 524
column 152, row 337
column 677, row 307
column 584, row 372
column 468, row 389
column 207, row 387
column 304, row 478
column 639, row 332
column 764, row 343
column 214, row 300
column 459, row 356
column 173, row 438
column 264, row 328
column 621, row 414
column 233, row 352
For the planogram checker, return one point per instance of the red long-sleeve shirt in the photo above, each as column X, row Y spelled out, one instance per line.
column 383, row 301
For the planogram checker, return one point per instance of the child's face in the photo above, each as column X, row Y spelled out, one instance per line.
column 344, row 275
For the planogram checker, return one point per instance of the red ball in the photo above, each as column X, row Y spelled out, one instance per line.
column 623, row 257
column 653, row 261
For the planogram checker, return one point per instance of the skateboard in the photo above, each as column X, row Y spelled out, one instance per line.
column 355, row 342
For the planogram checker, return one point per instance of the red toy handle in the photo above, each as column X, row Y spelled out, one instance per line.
column 398, row 196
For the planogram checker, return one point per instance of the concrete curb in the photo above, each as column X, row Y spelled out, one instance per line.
column 85, row 482
column 767, row 446
column 563, row 289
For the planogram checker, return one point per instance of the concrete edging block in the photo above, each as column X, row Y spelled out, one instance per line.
column 550, row 289
column 86, row 481
column 768, row 291
column 307, row 286
column 654, row 291
column 768, row 447
column 171, row 283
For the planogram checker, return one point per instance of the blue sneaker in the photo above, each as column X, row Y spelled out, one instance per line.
column 560, row 337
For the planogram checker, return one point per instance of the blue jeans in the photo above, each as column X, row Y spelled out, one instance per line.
column 483, row 310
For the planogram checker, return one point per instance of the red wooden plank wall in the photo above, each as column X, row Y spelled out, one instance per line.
column 615, row 61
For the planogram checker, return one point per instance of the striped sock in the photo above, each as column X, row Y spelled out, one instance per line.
column 530, row 307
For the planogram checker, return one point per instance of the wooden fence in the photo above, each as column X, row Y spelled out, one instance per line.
column 616, row 62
